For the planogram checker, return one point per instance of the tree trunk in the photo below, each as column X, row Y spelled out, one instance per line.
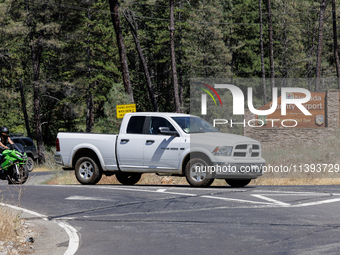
column 173, row 55
column 24, row 110
column 262, row 58
column 36, row 51
column 36, row 57
column 89, row 112
column 180, row 78
column 318, row 62
column 309, row 66
column 121, row 47
column 129, row 16
column 311, row 44
column 271, row 48
column 336, row 56
column 89, row 96
column 285, row 42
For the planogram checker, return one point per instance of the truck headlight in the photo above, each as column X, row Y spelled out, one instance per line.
column 223, row 151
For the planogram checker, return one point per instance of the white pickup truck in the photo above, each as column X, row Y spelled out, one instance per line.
column 162, row 143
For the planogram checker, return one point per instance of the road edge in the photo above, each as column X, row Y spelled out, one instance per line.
column 74, row 240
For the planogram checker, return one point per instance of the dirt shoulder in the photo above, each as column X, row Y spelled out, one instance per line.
column 33, row 235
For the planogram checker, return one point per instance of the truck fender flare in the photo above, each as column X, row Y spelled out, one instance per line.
column 192, row 151
column 90, row 147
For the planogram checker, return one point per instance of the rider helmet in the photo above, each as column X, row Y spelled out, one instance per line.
column 4, row 131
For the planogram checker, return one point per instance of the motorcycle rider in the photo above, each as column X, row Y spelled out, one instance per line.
column 19, row 174
column 4, row 138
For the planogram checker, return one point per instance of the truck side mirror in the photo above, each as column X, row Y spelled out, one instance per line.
column 166, row 131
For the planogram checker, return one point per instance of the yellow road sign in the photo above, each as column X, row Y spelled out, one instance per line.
column 125, row 108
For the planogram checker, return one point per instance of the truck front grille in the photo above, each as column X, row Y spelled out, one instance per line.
column 247, row 150
column 240, row 154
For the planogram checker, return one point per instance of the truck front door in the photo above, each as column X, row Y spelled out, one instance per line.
column 161, row 152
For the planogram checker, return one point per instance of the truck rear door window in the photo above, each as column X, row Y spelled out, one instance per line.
column 136, row 125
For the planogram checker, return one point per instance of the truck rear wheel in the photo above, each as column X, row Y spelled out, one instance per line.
column 197, row 174
column 238, row 183
column 87, row 171
column 128, row 178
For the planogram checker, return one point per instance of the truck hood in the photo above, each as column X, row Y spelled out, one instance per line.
column 218, row 139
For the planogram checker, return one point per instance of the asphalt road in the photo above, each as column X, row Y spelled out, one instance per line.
column 116, row 219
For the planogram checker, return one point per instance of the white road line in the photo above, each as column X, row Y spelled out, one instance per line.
column 298, row 194
column 174, row 193
column 318, row 202
column 237, row 200
column 154, row 191
column 74, row 238
column 121, row 187
column 271, row 200
column 73, row 244
column 261, row 196
column 87, row 198
column 288, row 192
column 44, row 217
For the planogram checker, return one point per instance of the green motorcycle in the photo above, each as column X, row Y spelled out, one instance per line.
column 13, row 165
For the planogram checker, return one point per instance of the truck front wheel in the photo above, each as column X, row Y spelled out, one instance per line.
column 238, row 183
column 87, row 171
column 197, row 173
column 128, row 178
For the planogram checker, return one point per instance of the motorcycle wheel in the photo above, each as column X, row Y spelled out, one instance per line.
column 23, row 175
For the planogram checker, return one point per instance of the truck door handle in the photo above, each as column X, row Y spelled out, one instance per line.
column 150, row 141
column 124, row 140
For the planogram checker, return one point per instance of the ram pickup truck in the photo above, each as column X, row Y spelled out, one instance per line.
column 162, row 143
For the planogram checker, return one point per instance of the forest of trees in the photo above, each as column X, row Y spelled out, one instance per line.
column 65, row 65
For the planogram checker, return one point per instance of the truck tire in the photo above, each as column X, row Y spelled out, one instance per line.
column 198, row 178
column 30, row 164
column 128, row 178
column 238, row 183
column 87, row 171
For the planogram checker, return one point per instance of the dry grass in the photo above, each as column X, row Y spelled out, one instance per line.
column 296, row 181
column 14, row 232
column 300, row 158
column 41, row 168
column 327, row 151
column 9, row 224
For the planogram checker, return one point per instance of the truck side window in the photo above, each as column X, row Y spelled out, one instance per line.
column 136, row 124
column 156, row 122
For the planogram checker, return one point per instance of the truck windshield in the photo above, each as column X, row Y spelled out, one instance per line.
column 194, row 125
